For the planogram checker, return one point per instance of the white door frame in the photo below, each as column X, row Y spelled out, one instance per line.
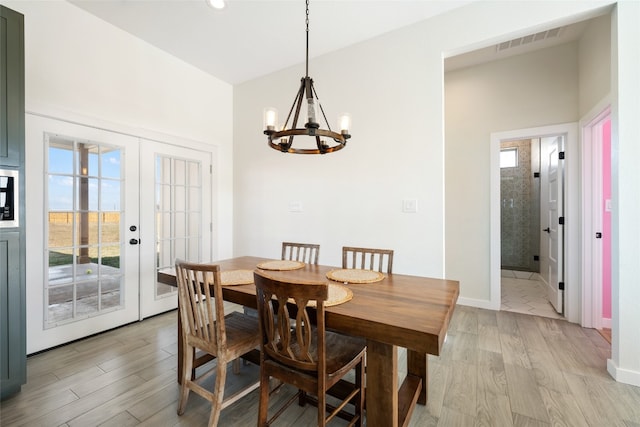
column 591, row 133
column 573, row 306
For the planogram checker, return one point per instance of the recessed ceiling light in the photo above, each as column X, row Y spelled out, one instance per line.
column 217, row 4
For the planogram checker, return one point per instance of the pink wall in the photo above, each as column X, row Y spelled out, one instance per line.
column 606, row 220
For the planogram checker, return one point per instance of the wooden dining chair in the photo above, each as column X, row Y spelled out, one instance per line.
column 205, row 327
column 367, row 259
column 304, row 252
column 305, row 355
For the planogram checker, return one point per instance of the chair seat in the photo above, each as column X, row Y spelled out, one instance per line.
column 241, row 333
column 241, row 327
column 342, row 349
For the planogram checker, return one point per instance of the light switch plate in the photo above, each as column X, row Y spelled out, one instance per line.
column 295, row 206
column 410, row 205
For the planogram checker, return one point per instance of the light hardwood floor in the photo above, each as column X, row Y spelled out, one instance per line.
column 497, row 369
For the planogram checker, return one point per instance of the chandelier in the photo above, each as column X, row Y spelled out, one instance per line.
column 282, row 140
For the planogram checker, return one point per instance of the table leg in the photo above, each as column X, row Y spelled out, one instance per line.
column 417, row 364
column 382, row 385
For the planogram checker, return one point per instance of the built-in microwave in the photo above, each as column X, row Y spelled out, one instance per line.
column 9, row 198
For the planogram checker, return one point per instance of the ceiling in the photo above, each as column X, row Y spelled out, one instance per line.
column 252, row 38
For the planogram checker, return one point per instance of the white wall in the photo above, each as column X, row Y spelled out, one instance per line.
column 624, row 364
column 81, row 68
column 393, row 87
column 352, row 197
column 594, row 64
column 519, row 92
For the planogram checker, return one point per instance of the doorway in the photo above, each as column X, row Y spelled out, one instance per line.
column 568, row 134
column 114, row 210
column 529, row 252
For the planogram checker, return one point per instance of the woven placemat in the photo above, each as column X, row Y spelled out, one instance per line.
column 280, row 265
column 337, row 295
column 354, row 275
column 236, row 277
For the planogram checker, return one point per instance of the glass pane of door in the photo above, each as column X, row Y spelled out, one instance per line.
column 84, row 228
column 174, row 219
column 178, row 216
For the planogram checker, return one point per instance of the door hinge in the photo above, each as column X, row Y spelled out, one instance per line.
column 561, row 220
column 561, row 286
column 561, row 155
column 536, row 174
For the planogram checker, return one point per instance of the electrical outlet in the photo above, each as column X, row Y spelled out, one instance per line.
column 410, row 205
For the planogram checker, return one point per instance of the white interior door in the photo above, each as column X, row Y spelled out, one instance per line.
column 596, row 220
column 82, row 273
column 552, row 237
column 175, row 217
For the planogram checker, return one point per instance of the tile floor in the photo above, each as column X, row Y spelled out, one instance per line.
column 523, row 292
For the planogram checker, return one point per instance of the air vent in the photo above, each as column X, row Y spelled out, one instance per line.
column 532, row 38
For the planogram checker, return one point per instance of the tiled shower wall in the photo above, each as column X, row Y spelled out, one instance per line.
column 520, row 208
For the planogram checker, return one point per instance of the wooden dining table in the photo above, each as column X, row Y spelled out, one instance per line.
column 399, row 311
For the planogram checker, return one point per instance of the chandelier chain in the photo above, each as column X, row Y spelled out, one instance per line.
column 307, row 20
column 307, row 32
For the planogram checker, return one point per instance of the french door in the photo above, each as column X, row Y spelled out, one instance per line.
column 176, row 208
column 113, row 210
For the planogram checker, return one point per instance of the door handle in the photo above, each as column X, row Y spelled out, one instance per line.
column 134, row 241
column 548, row 230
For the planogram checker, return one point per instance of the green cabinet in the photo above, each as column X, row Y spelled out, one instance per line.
column 12, row 238
column 11, row 88
column 12, row 348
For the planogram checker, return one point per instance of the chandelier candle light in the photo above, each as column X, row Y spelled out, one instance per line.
column 282, row 140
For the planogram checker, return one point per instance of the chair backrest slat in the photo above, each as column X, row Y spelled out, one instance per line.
column 368, row 259
column 305, row 252
column 198, row 286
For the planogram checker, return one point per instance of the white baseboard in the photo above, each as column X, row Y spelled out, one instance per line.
column 606, row 323
column 623, row 375
column 478, row 303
